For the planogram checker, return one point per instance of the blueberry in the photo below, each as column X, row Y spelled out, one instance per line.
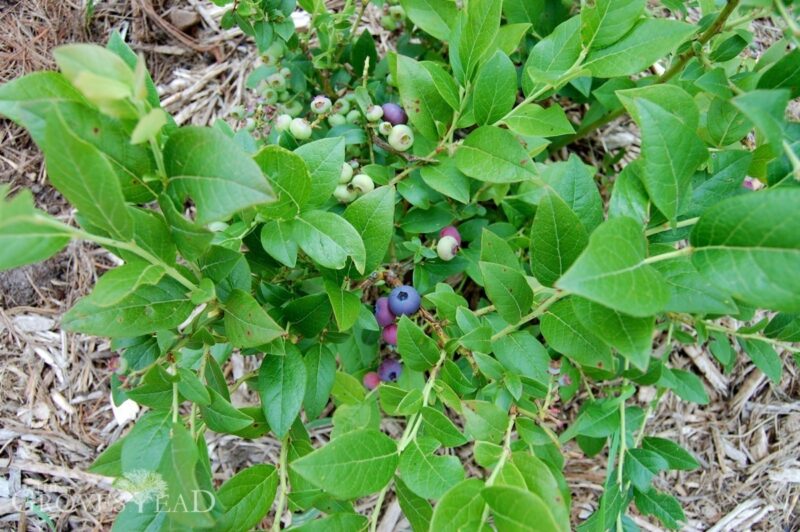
column 404, row 300
column 344, row 194
column 401, row 137
column 447, row 247
column 390, row 370
column 347, row 174
column 282, row 122
column 336, row 120
column 389, row 334
column 371, row 380
column 385, row 128
column 320, row 104
column 374, row 113
column 341, row 106
column 450, row 230
column 276, row 81
column 363, row 183
column 300, row 128
column 394, row 114
column 353, row 117
column 382, row 312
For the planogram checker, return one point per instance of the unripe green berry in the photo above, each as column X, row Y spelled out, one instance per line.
column 350, row 97
column 374, row 113
column 353, row 117
column 283, row 96
column 250, row 124
column 300, row 128
column 269, row 59
column 237, row 111
column 285, row 72
column 447, row 247
column 344, row 194
column 401, row 138
column 341, row 106
column 282, row 122
column 346, row 175
column 276, row 49
column 385, row 128
column 293, row 108
column 336, row 120
column 363, row 183
column 276, row 81
column 388, row 22
column 270, row 95
column 320, row 104
column 397, row 12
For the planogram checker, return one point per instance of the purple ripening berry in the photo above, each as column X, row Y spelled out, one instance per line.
column 389, row 334
column 371, row 380
column 394, row 114
column 451, row 230
column 390, row 370
column 382, row 312
column 404, row 300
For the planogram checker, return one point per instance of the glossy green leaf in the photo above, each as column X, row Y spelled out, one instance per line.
column 372, row 216
column 247, row 497
column 515, row 509
column 461, row 508
column 433, row 16
column 537, row 121
column 494, row 155
column 324, row 159
column 247, row 324
column 566, row 334
column 419, row 351
column 329, row 240
column 290, row 180
column 495, row 89
column 421, row 99
column 606, row 21
column 427, row 474
column 282, row 385
column 557, row 238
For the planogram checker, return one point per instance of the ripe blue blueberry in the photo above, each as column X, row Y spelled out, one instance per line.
column 404, row 300
column 394, row 114
column 382, row 312
column 390, row 370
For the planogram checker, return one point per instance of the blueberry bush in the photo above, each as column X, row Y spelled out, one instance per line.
column 416, row 235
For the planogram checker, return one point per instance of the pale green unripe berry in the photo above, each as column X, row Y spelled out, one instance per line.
column 385, row 128
column 397, row 12
column 447, row 247
column 374, row 113
column 344, row 194
column 336, row 120
column 282, row 122
column 276, row 81
column 363, row 183
column 350, row 97
column 293, row 108
column 237, row 111
column 346, row 175
column 388, row 22
column 283, row 96
column 270, row 95
column 285, row 72
column 401, row 138
column 341, row 106
column 250, row 124
column 276, row 49
column 320, row 104
column 353, row 117
column 300, row 128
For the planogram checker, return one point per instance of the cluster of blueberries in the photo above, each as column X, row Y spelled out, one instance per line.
column 404, row 301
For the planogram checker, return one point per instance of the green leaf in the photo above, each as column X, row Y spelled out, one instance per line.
column 308, row 315
column 419, row 351
column 24, row 239
column 671, row 151
column 607, row 21
column 749, row 246
column 329, row 239
column 509, row 36
column 685, row 384
column 191, row 388
column 691, row 292
column 552, row 56
column 320, row 373
column 146, row 443
column 574, row 182
column 647, row 42
column 346, row 305
column 522, row 354
column 446, row 178
column 495, row 89
column 783, row 74
column 515, row 509
column 557, row 238
column 84, row 175
column 120, row 282
column 478, row 33
column 566, row 334
column 109, row 463
column 784, row 327
column 537, row 121
column 324, row 159
column 497, row 250
column 420, row 97
column 726, row 124
column 289, row 177
column 661, row 505
column 282, row 386
column 337, row 522
column 598, row 419
column 631, row 337
column 247, row 497
column 612, row 271
column 247, row 324
column 372, row 216
column 353, row 465
column 508, row 290
column 494, row 155
column 221, row 416
column 151, row 308
column 155, row 390
column 484, row 421
column 461, row 508
column 764, row 357
column 439, row 426
column 433, row 16
column 542, row 481
column 427, row 474
column 191, row 239
column 642, row 465
column 276, row 239
column 543, row 15
column 209, row 167
column 416, row 509
column 675, row 455
column 766, row 110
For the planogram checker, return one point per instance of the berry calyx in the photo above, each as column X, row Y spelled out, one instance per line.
column 344, row 193
column 383, row 315
column 346, row 175
column 385, row 128
column 282, row 122
column 401, row 138
column 390, row 370
column 371, row 380
column 451, row 230
column 363, row 183
column 300, row 128
column 320, row 104
column 389, row 334
column 394, row 114
column 276, row 81
column 404, row 300
column 447, row 247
